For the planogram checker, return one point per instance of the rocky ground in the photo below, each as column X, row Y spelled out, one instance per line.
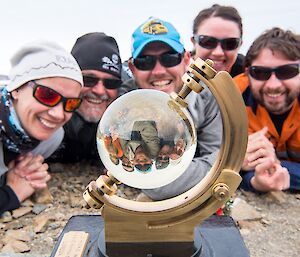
column 269, row 224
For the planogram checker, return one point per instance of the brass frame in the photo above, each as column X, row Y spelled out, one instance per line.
column 173, row 220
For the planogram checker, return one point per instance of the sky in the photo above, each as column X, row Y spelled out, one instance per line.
column 63, row 21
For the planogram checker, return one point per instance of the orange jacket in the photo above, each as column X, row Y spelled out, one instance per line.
column 113, row 146
column 287, row 144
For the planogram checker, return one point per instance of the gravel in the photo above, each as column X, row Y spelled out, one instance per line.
column 277, row 234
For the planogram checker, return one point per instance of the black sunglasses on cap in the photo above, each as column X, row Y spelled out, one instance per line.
column 208, row 42
column 90, row 81
column 282, row 72
column 148, row 62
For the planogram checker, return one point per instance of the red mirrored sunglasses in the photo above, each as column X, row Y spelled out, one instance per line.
column 49, row 97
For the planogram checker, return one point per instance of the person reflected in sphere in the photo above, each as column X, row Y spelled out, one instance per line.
column 145, row 131
column 115, row 160
column 178, row 149
column 127, row 164
column 143, row 145
column 113, row 146
column 142, row 162
column 163, row 158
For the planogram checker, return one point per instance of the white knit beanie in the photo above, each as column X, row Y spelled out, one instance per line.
column 42, row 59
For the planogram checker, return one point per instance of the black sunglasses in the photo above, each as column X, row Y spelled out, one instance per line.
column 90, row 81
column 163, row 158
column 143, row 167
column 148, row 62
column 208, row 42
column 283, row 72
column 49, row 97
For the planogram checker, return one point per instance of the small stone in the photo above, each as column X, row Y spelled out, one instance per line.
column 16, row 246
column 241, row 210
column 245, row 232
column 43, row 196
column 8, row 249
column 6, row 217
column 40, row 223
column 76, row 201
column 56, row 167
column 245, row 224
column 64, row 186
column 276, row 196
column 49, row 241
column 38, row 208
column 21, row 212
column 265, row 222
column 19, row 235
column 59, row 216
column 27, row 203
column 141, row 197
column 54, row 225
column 16, row 224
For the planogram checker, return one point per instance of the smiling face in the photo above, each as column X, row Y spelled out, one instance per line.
column 219, row 28
column 38, row 120
column 166, row 79
column 96, row 99
column 275, row 95
column 141, row 161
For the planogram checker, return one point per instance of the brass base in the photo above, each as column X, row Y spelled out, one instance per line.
column 217, row 236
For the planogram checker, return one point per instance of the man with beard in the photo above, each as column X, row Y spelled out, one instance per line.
column 98, row 57
column 158, row 62
column 270, row 87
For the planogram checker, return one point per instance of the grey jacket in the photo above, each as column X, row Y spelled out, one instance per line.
column 207, row 119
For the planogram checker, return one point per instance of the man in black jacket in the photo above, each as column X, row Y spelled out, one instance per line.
column 98, row 57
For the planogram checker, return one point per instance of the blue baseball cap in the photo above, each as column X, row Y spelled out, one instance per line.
column 155, row 30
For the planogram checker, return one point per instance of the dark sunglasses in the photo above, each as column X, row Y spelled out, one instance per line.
column 148, row 62
column 89, row 81
column 283, row 72
column 162, row 158
column 143, row 168
column 49, row 97
column 208, row 42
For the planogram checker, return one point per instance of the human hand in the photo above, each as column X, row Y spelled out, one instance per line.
column 27, row 174
column 33, row 169
column 18, row 184
column 270, row 177
column 259, row 146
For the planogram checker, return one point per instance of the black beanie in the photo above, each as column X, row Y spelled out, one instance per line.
column 97, row 51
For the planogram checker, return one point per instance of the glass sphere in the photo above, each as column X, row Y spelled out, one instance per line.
column 145, row 139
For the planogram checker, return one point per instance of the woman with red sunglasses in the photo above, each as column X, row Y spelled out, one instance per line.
column 43, row 91
column 217, row 35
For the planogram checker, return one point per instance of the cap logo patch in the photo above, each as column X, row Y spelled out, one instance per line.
column 111, row 64
column 154, row 27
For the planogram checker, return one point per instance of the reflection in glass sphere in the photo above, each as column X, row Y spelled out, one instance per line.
column 145, row 139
